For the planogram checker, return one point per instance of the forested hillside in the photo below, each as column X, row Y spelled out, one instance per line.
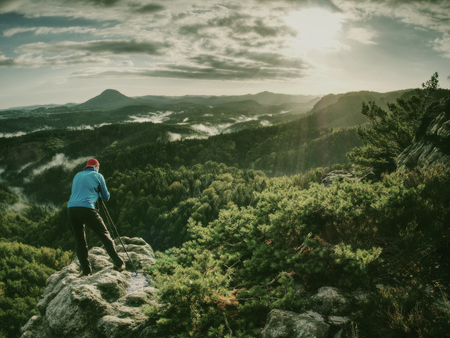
column 241, row 220
column 295, row 238
column 43, row 163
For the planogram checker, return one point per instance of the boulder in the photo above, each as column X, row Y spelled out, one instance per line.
column 288, row 324
column 105, row 304
column 431, row 143
column 330, row 301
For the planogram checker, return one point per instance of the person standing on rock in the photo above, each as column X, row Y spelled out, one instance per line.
column 87, row 186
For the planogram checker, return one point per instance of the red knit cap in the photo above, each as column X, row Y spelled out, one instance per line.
column 92, row 163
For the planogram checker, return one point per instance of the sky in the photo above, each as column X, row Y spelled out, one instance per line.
column 68, row 51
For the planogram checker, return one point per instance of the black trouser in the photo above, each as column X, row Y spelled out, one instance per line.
column 79, row 217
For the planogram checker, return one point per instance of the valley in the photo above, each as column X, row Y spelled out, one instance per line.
column 192, row 175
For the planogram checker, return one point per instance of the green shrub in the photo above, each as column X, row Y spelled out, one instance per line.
column 404, row 311
column 23, row 272
column 296, row 239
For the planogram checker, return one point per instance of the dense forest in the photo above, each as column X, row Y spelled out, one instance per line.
column 241, row 221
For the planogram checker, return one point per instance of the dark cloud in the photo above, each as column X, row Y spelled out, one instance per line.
column 96, row 3
column 313, row 3
column 238, row 25
column 209, row 68
column 198, row 73
column 191, row 29
column 72, row 60
column 124, row 47
column 219, row 68
column 273, row 59
column 6, row 62
column 60, row 60
column 4, row 3
column 116, row 47
column 264, row 31
column 216, row 63
column 151, row 8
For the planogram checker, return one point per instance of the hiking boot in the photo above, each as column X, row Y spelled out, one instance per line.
column 85, row 275
column 119, row 267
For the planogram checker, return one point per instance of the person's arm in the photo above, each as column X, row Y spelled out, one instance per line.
column 104, row 193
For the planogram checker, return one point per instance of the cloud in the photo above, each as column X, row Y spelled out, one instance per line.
column 71, row 53
column 24, row 166
column 31, row 61
column 207, row 67
column 243, row 24
column 13, row 31
column 10, row 5
column 94, row 3
column 150, row 8
column 101, row 3
column 61, row 159
column 272, row 59
column 21, row 133
column 244, row 118
column 213, row 30
column 158, row 117
column 205, row 40
column 433, row 14
column 362, row 35
column 6, row 62
column 211, row 130
column 115, row 47
column 88, row 127
column 174, row 136
column 443, row 45
column 429, row 16
column 9, row 135
column 49, row 30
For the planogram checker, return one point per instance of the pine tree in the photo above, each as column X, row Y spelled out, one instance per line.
column 388, row 133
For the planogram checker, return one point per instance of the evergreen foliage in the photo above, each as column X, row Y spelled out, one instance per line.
column 23, row 272
column 156, row 203
column 285, row 149
column 350, row 235
column 388, row 133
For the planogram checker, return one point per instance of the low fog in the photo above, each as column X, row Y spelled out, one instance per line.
column 61, row 159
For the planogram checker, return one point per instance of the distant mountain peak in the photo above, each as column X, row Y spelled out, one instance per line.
column 109, row 99
column 111, row 91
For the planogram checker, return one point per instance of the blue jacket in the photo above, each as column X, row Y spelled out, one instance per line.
column 87, row 187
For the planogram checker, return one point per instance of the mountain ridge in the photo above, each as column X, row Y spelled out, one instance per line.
column 114, row 99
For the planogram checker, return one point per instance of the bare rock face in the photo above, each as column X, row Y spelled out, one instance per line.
column 431, row 144
column 106, row 304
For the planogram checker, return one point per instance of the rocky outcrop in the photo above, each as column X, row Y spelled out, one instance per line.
column 330, row 309
column 330, row 301
column 431, row 144
column 287, row 324
column 106, row 304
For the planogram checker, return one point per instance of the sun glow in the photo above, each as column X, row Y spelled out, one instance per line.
column 316, row 29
